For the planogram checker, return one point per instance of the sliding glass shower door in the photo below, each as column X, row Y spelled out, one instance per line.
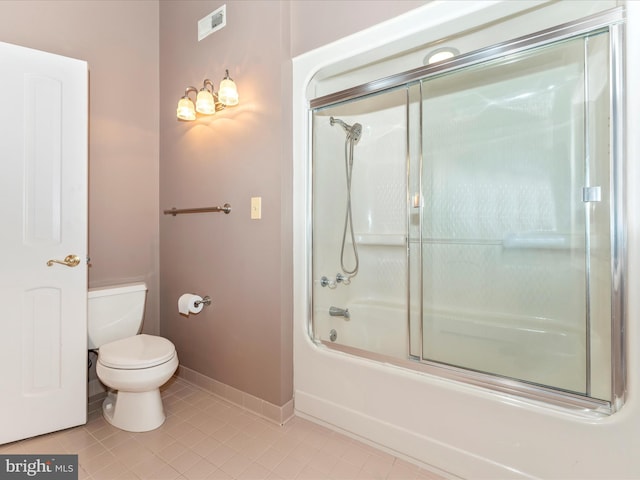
column 467, row 218
column 515, row 224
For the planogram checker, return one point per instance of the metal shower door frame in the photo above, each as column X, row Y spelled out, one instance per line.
column 613, row 22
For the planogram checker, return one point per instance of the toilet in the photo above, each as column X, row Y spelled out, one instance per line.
column 133, row 365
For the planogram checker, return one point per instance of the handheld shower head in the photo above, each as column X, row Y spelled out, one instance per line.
column 353, row 131
column 356, row 131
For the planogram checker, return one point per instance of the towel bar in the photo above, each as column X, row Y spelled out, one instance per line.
column 226, row 208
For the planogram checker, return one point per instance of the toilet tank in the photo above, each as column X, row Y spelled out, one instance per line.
column 115, row 312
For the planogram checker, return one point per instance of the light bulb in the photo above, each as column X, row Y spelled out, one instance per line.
column 228, row 93
column 205, row 103
column 186, row 109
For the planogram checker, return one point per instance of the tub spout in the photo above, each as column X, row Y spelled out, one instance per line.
column 339, row 312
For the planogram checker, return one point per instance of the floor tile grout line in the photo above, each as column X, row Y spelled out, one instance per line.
column 257, row 444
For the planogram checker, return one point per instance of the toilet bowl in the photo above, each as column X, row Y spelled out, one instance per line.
column 134, row 366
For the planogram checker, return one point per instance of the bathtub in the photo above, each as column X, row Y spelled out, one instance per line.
column 536, row 350
column 462, row 430
column 372, row 326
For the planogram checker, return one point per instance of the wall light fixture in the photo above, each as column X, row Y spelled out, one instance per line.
column 207, row 102
column 440, row 54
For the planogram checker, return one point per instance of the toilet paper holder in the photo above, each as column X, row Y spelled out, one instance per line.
column 206, row 300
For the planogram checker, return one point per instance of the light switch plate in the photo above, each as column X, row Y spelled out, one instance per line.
column 256, row 208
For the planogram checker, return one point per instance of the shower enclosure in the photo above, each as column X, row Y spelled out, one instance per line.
column 467, row 217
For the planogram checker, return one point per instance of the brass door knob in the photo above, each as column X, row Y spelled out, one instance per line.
column 69, row 261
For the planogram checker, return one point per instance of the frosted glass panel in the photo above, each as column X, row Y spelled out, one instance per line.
column 467, row 223
column 360, row 224
column 505, row 230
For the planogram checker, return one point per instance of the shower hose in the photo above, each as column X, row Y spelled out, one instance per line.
column 348, row 220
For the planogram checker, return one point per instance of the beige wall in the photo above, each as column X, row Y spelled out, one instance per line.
column 119, row 40
column 315, row 23
column 141, row 55
column 244, row 338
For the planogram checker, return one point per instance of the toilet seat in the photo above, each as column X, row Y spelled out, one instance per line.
column 136, row 352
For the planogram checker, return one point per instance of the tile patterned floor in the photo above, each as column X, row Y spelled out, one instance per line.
column 205, row 437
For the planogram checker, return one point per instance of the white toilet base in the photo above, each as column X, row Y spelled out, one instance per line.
column 134, row 411
column 137, row 405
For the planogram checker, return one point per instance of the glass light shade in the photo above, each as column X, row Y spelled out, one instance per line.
column 205, row 103
column 228, row 93
column 440, row 54
column 186, row 109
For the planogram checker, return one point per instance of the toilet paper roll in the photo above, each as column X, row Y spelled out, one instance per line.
column 187, row 304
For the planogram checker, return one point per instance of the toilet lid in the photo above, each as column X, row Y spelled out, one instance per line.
column 139, row 351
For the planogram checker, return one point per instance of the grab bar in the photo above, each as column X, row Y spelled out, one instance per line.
column 226, row 208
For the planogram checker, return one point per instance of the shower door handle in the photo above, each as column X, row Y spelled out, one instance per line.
column 416, row 200
column 69, row 261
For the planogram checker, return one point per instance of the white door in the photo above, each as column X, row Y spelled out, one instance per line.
column 43, row 215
